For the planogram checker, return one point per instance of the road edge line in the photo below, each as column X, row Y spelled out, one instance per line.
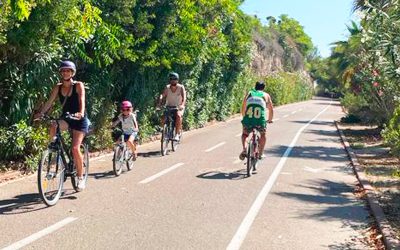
column 248, row 220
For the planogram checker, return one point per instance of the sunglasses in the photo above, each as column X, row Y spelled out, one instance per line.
column 173, row 79
column 125, row 109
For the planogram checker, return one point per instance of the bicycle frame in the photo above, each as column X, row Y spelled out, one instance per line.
column 170, row 114
column 65, row 154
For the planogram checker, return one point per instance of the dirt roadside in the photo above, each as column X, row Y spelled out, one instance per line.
column 379, row 174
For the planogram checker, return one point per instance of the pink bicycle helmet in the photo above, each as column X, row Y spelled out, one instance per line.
column 126, row 104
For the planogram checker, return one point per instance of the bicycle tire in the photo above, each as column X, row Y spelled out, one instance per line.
column 255, row 155
column 174, row 143
column 118, row 160
column 48, row 161
column 249, row 164
column 128, row 158
column 164, row 140
column 74, row 179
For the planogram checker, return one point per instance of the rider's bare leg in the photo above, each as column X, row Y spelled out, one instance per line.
column 77, row 138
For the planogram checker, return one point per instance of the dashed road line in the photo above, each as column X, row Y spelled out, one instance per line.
column 214, row 147
column 285, row 116
column 165, row 171
column 40, row 234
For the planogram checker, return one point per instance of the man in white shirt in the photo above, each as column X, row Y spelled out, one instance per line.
column 174, row 95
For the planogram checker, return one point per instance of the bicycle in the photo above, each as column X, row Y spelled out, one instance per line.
column 168, row 132
column 253, row 151
column 122, row 155
column 57, row 164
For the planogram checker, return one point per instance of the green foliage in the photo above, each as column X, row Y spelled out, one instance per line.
column 21, row 141
column 288, row 87
column 124, row 50
column 391, row 134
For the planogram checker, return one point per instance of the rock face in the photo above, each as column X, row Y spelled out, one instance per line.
column 269, row 56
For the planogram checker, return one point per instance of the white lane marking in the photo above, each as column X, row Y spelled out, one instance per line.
column 285, row 116
column 300, row 110
column 244, row 228
column 286, row 173
column 40, row 234
column 312, row 170
column 294, row 112
column 8, row 205
column 214, row 147
column 165, row 171
column 240, row 134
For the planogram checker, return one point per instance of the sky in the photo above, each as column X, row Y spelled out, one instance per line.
column 323, row 20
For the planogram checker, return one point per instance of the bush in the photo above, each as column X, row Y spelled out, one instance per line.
column 22, row 142
column 391, row 134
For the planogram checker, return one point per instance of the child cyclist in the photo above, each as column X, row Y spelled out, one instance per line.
column 130, row 126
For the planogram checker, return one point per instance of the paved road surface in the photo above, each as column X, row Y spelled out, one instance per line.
column 198, row 198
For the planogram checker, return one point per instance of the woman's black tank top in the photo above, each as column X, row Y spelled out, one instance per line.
column 72, row 103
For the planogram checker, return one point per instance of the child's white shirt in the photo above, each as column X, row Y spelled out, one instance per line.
column 128, row 123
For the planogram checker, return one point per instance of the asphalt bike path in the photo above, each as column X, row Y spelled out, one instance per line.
column 199, row 198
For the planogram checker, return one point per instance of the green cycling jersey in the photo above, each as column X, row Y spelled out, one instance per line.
column 255, row 110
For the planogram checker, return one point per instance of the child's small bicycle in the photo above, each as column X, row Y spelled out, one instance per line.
column 122, row 156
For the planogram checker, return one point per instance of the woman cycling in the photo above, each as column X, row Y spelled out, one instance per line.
column 72, row 98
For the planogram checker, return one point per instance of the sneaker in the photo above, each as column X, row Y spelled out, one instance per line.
column 81, row 183
column 177, row 137
column 242, row 155
column 134, row 156
column 261, row 156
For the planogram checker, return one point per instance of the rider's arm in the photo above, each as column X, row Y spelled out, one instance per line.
column 243, row 111
column 135, row 123
column 115, row 123
column 80, row 89
column 50, row 101
column 183, row 93
column 162, row 97
column 270, row 107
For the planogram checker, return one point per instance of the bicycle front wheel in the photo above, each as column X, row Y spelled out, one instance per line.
column 50, row 177
column 85, row 168
column 128, row 158
column 118, row 160
column 174, row 143
column 164, row 140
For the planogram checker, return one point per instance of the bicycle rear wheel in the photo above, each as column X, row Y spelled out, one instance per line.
column 249, row 158
column 50, row 177
column 164, row 140
column 118, row 160
column 85, row 169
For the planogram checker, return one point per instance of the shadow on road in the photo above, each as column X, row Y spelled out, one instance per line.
column 150, row 154
column 102, row 175
column 218, row 175
column 326, row 200
column 312, row 152
column 26, row 203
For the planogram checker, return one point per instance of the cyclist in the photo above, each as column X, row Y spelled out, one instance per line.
column 254, row 108
column 71, row 94
column 130, row 126
column 174, row 95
